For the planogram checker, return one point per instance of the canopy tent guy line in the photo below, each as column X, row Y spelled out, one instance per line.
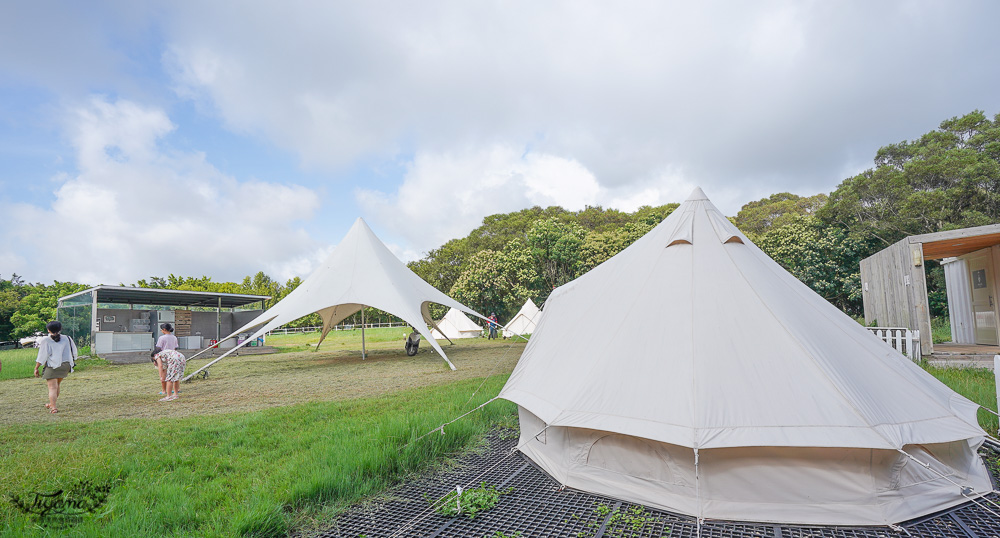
column 359, row 272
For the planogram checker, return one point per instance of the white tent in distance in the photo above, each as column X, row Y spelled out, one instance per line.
column 722, row 387
column 524, row 322
column 359, row 272
column 456, row 324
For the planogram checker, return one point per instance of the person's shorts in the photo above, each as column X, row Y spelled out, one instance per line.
column 57, row 373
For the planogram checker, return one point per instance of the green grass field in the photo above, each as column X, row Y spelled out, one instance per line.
column 976, row 384
column 20, row 363
column 940, row 329
column 337, row 339
column 267, row 444
column 255, row 474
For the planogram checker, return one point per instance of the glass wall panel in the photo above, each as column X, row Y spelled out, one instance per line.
column 75, row 315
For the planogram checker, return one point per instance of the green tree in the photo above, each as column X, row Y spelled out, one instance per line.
column 599, row 247
column 555, row 247
column 948, row 178
column 441, row 267
column 756, row 218
column 261, row 284
column 498, row 281
column 11, row 292
column 825, row 258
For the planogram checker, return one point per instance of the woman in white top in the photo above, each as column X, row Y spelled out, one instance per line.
column 166, row 341
column 57, row 354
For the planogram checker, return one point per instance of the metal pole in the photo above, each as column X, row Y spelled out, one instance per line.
column 93, row 322
column 218, row 322
column 996, row 373
column 362, row 332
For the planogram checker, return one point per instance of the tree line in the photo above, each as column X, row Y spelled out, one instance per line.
column 946, row 179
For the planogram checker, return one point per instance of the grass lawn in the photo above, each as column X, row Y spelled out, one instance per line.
column 976, row 384
column 268, row 444
column 340, row 339
column 20, row 363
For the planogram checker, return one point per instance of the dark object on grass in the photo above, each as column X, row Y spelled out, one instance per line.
column 412, row 347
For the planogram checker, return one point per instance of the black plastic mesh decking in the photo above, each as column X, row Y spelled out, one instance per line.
column 537, row 508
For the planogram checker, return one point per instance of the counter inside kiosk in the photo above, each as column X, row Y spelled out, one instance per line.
column 126, row 330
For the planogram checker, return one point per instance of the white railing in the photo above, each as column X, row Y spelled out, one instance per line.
column 903, row 340
column 344, row 327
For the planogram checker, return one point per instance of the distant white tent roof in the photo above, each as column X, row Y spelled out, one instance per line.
column 525, row 321
column 722, row 387
column 359, row 272
column 455, row 324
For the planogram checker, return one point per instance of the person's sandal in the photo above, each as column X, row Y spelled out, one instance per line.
column 164, row 399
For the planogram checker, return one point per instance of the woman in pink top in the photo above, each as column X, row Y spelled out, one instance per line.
column 166, row 341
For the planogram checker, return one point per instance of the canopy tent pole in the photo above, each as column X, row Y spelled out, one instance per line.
column 697, row 491
column 362, row 332
column 434, row 326
column 218, row 322
column 996, row 373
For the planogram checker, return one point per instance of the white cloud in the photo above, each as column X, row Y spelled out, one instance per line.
column 756, row 97
column 618, row 104
column 136, row 208
column 444, row 196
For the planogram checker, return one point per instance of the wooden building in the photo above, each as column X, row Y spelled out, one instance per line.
column 894, row 284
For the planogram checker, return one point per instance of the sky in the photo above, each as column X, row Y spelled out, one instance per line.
column 223, row 138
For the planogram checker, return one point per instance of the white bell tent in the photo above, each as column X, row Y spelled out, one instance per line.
column 360, row 272
column 524, row 322
column 456, row 324
column 722, row 387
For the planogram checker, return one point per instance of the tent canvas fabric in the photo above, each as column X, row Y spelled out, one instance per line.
column 455, row 324
column 360, row 272
column 524, row 322
column 722, row 387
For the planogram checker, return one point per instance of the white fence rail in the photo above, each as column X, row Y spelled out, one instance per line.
column 903, row 340
column 345, row 327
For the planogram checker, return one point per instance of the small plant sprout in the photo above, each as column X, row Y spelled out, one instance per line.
column 468, row 501
column 628, row 523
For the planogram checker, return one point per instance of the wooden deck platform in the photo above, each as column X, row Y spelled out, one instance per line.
column 963, row 355
column 949, row 348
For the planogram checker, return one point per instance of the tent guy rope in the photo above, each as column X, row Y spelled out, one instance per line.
column 964, row 490
column 489, row 375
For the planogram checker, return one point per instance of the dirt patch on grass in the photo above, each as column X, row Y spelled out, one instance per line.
column 249, row 383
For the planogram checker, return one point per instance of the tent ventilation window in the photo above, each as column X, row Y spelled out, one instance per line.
column 683, row 234
column 734, row 239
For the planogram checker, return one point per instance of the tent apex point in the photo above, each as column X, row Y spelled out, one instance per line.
column 696, row 194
